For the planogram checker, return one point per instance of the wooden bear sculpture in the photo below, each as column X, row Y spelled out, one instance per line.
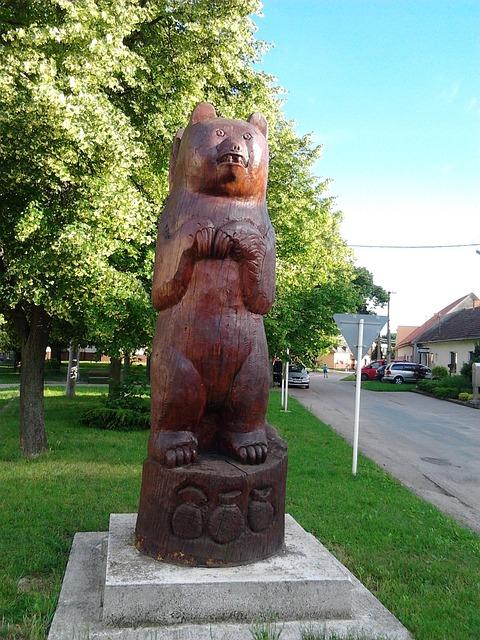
column 214, row 279
column 213, row 485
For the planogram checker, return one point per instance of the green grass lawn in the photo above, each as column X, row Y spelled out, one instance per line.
column 422, row 565
column 379, row 385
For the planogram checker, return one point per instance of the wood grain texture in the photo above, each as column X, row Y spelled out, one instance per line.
column 214, row 279
column 216, row 512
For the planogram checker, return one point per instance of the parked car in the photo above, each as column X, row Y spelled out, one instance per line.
column 400, row 372
column 298, row 375
column 369, row 372
column 277, row 372
column 381, row 372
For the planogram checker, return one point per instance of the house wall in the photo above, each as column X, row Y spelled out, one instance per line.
column 404, row 353
column 440, row 352
column 337, row 359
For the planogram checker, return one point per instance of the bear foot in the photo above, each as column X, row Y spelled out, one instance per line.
column 173, row 448
column 248, row 448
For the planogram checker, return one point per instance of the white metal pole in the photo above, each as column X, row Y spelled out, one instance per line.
column 286, row 386
column 357, row 397
column 285, row 402
column 283, row 386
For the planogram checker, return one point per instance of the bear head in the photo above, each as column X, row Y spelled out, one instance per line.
column 221, row 157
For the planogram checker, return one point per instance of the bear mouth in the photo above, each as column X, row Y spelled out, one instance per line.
column 233, row 158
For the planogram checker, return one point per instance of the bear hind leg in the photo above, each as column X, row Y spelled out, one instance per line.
column 178, row 405
column 243, row 434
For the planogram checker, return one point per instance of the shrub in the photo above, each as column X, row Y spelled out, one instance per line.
column 465, row 396
column 127, row 410
column 441, row 392
column 439, row 372
column 448, row 387
column 132, row 394
column 457, row 382
column 427, row 385
column 116, row 419
column 466, row 369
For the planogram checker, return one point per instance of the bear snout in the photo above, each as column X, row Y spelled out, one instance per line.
column 232, row 152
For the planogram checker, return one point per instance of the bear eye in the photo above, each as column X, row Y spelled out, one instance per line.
column 220, row 133
column 247, row 136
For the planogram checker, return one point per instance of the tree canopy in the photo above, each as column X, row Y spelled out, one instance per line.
column 91, row 94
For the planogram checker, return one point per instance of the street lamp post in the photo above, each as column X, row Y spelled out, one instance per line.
column 389, row 337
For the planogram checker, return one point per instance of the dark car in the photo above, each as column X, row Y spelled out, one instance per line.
column 369, row 372
column 277, row 371
column 381, row 372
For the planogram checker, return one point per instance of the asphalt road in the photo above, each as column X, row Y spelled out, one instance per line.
column 430, row 445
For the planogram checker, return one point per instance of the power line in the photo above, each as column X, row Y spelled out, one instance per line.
column 412, row 246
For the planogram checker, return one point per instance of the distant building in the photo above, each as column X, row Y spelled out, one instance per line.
column 448, row 338
column 339, row 357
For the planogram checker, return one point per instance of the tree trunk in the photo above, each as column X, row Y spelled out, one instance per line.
column 34, row 332
column 72, row 372
column 115, row 375
column 127, row 362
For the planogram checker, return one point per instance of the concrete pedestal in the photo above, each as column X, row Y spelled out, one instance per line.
column 298, row 583
column 112, row 591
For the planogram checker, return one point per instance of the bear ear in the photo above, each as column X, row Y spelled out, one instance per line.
column 203, row 111
column 174, row 155
column 258, row 120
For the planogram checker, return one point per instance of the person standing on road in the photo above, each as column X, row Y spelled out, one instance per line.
column 325, row 370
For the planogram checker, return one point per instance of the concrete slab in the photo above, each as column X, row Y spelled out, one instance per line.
column 80, row 609
column 301, row 582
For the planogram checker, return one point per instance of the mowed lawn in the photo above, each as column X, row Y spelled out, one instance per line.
column 422, row 565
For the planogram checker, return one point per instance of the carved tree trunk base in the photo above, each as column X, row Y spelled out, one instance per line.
column 216, row 512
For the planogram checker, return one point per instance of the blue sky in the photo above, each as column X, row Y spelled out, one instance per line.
column 391, row 88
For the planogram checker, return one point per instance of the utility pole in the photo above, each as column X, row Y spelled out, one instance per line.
column 389, row 337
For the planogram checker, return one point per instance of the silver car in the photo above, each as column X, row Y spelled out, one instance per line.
column 400, row 372
column 298, row 376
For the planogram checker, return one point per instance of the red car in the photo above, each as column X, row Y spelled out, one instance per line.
column 370, row 371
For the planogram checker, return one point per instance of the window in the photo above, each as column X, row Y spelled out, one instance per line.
column 453, row 362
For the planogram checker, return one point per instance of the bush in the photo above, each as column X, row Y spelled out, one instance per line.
column 127, row 410
column 138, row 373
column 439, row 372
column 132, row 394
column 441, row 392
column 466, row 369
column 465, row 396
column 116, row 419
column 427, row 385
column 448, row 387
column 457, row 382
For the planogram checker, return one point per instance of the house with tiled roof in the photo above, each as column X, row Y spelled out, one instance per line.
column 448, row 338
